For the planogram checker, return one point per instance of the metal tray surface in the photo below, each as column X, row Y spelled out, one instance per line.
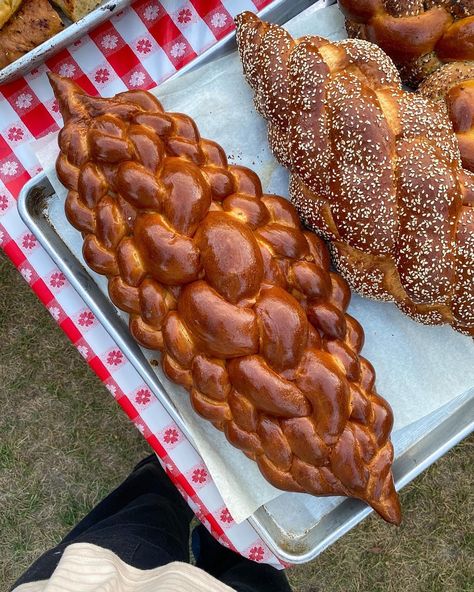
column 286, row 523
column 68, row 35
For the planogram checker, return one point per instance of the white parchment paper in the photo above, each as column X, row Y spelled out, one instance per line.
column 420, row 369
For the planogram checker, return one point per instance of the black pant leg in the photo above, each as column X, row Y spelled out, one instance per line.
column 145, row 521
column 147, row 477
column 248, row 576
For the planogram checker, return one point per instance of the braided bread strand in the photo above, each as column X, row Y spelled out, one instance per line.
column 432, row 43
column 453, row 86
column 223, row 281
column 374, row 170
column 419, row 35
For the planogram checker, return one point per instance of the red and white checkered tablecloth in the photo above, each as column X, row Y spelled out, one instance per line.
column 138, row 48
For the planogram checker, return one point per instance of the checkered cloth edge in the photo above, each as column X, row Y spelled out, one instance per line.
column 139, row 47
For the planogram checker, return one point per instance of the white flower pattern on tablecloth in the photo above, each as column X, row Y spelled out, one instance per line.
column 24, row 100
column 67, row 70
column 112, row 389
column 54, row 312
column 201, row 516
column 9, row 168
column 151, row 12
column 26, row 273
column 137, row 79
column 218, row 20
column 109, row 41
column 83, row 350
column 178, row 50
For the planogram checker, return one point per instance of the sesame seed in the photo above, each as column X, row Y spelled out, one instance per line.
column 375, row 170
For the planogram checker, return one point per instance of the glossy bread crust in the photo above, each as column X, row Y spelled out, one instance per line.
column 419, row 35
column 240, row 300
column 432, row 43
column 374, row 169
column 453, row 85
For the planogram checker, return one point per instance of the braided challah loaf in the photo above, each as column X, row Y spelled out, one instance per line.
column 432, row 42
column 375, row 170
column 240, row 301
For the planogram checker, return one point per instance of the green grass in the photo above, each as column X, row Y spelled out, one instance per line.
column 65, row 443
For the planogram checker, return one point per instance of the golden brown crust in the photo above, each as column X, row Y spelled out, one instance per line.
column 225, row 283
column 35, row 22
column 431, row 42
column 374, row 169
column 453, row 85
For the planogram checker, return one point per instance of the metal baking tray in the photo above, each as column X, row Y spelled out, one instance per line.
column 278, row 10
column 71, row 32
column 286, row 523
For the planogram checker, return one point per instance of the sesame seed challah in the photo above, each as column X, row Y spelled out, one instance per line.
column 374, row 169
